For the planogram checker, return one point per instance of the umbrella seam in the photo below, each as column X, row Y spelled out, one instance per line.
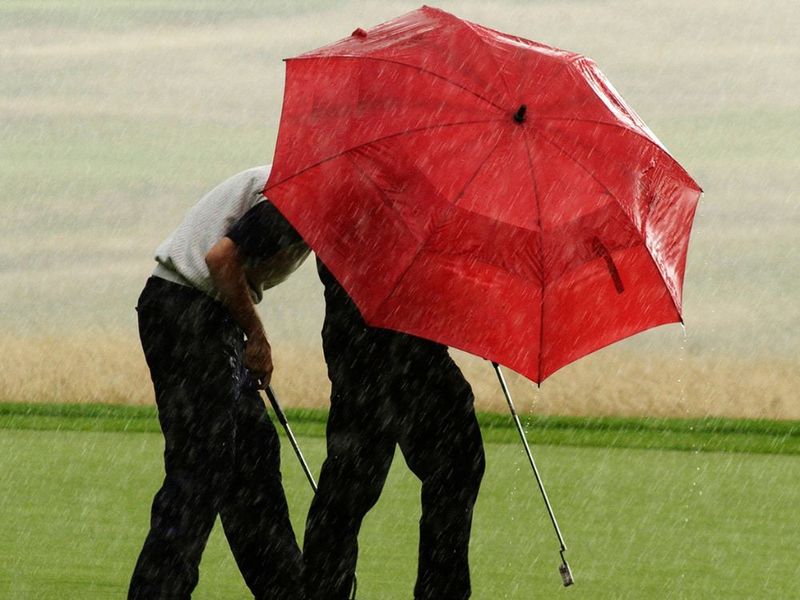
column 482, row 41
column 424, row 242
column 614, row 96
column 631, row 130
column 380, row 139
column 474, row 28
column 421, row 242
column 478, row 170
column 402, row 64
column 639, row 127
column 541, row 256
column 387, row 202
column 641, row 234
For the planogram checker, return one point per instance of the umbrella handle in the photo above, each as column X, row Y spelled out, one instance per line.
column 563, row 569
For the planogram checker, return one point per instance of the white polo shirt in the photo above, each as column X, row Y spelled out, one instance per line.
column 264, row 237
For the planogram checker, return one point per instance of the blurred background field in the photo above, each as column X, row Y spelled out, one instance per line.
column 115, row 117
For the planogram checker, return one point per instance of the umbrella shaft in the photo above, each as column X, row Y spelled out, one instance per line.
column 521, row 432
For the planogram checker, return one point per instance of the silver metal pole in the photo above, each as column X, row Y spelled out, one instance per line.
column 273, row 400
column 282, row 418
column 563, row 569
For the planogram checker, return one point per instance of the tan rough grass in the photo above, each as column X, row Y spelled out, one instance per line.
column 624, row 383
column 111, row 369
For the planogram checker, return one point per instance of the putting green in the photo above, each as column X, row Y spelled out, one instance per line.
column 639, row 523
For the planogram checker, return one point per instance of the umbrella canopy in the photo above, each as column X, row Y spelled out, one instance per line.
column 482, row 190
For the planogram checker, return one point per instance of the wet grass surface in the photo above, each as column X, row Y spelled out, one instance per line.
column 638, row 523
column 712, row 434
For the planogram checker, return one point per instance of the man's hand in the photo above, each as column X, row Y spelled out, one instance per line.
column 258, row 359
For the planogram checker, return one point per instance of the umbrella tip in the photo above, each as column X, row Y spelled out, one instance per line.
column 359, row 33
column 519, row 117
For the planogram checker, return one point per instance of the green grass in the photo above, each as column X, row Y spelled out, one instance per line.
column 638, row 523
column 707, row 435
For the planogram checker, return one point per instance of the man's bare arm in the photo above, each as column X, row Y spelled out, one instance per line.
column 227, row 272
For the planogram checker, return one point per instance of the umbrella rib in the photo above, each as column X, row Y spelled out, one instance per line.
column 472, row 29
column 541, row 256
column 598, row 122
column 641, row 235
column 380, row 139
column 425, row 241
column 370, row 180
column 478, row 170
column 410, row 66
column 627, row 128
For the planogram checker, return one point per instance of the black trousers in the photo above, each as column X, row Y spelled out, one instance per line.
column 391, row 389
column 221, row 455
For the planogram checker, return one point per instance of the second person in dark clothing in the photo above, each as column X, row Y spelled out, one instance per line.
column 388, row 389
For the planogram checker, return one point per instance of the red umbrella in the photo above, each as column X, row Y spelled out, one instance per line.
column 482, row 190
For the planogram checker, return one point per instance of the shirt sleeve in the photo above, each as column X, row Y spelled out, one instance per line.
column 262, row 232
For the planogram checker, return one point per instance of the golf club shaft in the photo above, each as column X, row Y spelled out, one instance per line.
column 521, row 432
column 282, row 418
column 273, row 400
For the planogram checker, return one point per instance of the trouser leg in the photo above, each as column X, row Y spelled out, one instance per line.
column 360, row 444
column 442, row 445
column 430, row 408
column 221, row 453
column 192, row 378
column 360, row 452
column 254, row 514
column 182, row 515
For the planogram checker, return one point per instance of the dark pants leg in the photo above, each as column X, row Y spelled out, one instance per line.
column 387, row 388
column 254, row 512
column 221, row 453
column 360, row 452
column 442, row 445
